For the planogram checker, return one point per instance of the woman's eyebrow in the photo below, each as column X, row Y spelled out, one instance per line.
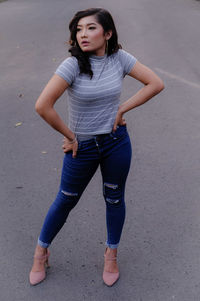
column 87, row 24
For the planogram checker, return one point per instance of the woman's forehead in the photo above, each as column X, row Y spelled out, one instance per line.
column 87, row 21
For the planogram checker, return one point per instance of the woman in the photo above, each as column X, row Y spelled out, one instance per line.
column 97, row 133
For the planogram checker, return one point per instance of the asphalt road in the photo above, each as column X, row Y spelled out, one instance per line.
column 159, row 254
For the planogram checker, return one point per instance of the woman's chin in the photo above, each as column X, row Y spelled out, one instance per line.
column 86, row 49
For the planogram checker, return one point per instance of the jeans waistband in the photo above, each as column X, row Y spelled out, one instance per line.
column 120, row 130
column 88, row 137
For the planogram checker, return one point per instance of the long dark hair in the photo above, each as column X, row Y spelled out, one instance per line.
column 105, row 19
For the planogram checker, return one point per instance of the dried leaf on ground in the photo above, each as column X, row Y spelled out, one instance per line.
column 18, row 124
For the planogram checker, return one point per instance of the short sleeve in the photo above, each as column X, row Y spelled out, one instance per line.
column 127, row 61
column 68, row 69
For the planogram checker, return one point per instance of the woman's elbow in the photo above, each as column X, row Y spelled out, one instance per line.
column 39, row 108
column 158, row 86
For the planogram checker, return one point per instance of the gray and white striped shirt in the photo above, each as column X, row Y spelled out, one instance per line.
column 93, row 103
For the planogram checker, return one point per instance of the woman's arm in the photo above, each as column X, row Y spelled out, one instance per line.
column 152, row 86
column 45, row 108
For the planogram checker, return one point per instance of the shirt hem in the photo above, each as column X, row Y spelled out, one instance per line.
column 92, row 133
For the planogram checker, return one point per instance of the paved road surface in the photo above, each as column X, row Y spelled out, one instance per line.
column 159, row 255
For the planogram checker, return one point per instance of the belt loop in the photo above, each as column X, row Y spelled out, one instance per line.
column 95, row 138
column 112, row 136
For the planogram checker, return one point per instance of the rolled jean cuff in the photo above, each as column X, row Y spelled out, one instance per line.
column 112, row 246
column 43, row 244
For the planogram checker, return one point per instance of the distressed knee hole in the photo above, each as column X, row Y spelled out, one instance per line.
column 109, row 185
column 66, row 199
column 112, row 201
column 112, row 193
column 69, row 193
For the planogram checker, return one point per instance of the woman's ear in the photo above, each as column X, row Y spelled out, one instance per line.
column 108, row 34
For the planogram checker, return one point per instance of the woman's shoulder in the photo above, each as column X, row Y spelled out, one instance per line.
column 68, row 69
column 126, row 60
column 71, row 60
column 70, row 64
column 123, row 54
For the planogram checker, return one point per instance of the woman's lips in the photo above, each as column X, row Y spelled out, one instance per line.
column 84, row 43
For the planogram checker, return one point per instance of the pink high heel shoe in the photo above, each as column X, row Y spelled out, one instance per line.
column 110, row 278
column 37, row 277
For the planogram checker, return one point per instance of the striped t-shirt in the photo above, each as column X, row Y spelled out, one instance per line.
column 93, row 103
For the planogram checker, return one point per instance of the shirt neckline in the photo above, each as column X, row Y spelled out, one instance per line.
column 97, row 57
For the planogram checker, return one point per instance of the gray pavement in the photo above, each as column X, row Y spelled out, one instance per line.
column 159, row 255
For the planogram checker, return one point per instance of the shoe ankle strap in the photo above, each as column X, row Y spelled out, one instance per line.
column 41, row 257
column 110, row 259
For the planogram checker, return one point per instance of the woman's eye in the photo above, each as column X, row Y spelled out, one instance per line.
column 90, row 28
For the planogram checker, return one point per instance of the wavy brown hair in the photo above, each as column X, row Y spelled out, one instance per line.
column 104, row 18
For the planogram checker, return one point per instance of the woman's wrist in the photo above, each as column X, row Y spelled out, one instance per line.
column 121, row 110
column 73, row 140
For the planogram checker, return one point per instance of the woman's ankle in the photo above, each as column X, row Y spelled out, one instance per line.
column 40, row 249
column 111, row 251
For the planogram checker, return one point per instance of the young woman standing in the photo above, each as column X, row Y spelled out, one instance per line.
column 96, row 134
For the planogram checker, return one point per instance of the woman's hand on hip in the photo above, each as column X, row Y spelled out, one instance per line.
column 119, row 120
column 70, row 146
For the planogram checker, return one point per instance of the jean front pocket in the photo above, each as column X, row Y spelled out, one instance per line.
column 85, row 145
column 119, row 133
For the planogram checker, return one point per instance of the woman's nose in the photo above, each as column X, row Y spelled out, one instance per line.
column 84, row 33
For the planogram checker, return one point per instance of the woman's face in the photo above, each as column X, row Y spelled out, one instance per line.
column 90, row 36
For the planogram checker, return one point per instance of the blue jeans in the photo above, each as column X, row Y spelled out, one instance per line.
column 113, row 153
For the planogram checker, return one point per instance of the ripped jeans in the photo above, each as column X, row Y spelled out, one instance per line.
column 113, row 153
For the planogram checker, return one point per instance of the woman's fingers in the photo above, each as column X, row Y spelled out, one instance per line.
column 74, row 153
column 74, row 150
column 70, row 147
column 123, row 122
column 115, row 126
column 118, row 121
